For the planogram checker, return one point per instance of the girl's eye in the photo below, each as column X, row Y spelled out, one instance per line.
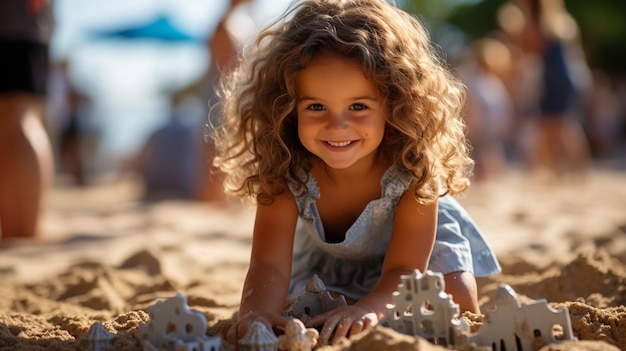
column 315, row 107
column 358, row 107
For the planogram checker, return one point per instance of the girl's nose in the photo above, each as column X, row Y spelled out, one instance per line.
column 338, row 120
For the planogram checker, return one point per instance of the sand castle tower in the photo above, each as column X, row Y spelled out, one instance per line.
column 422, row 308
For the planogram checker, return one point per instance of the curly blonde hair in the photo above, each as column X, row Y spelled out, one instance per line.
column 258, row 146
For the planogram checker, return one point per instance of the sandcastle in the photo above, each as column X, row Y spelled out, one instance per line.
column 173, row 326
column 421, row 308
column 315, row 300
column 297, row 337
column 97, row 338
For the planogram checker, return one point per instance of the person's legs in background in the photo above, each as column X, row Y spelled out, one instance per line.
column 26, row 160
column 26, row 164
column 576, row 148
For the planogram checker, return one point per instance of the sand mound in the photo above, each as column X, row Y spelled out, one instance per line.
column 55, row 312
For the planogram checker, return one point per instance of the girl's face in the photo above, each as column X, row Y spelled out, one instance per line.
column 341, row 117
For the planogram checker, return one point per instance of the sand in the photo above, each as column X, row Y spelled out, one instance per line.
column 108, row 256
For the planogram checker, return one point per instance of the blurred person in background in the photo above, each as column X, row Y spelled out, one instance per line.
column 74, row 136
column 223, row 48
column 168, row 162
column 521, row 81
column 552, row 34
column 489, row 109
column 176, row 160
column 606, row 118
column 26, row 161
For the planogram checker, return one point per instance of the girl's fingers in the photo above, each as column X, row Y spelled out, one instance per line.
column 328, row 329
column 342, row 328
column 317, row 320
column 337, row 325
column 357, row 327
column 278, row 320
column 231, row 336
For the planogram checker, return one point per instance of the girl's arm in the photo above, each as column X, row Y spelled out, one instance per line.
column 410, row 247
column 267, row 282
column 411, row 244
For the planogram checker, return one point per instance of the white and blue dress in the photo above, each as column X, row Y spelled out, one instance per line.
column 352, row 267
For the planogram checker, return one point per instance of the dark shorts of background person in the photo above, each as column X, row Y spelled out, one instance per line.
column 23, row 67
column 559, row 92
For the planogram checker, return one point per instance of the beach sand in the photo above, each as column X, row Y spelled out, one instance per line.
column 108, row 256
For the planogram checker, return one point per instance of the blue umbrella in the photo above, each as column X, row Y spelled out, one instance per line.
column 159, row 29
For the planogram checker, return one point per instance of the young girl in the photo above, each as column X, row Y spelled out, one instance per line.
column 344, row 126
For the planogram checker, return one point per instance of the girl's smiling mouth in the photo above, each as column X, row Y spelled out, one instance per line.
column 339, row 143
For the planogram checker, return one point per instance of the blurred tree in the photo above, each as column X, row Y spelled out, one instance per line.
column 602, row 25
column 603, row 30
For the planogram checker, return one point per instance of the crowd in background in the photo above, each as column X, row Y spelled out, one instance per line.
column 533, row 102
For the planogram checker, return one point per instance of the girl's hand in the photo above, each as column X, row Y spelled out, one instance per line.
column 243, row 323
column 344, row 321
